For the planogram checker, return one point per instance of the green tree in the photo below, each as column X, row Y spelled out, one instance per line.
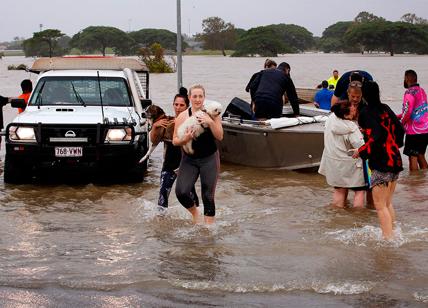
column 391, row 37
column 262, row 41
column 332, row 39
column 44, row 43
column 364, row 17
column 239, row 33
column 368, row 41
column 400, row 36
column 166, row 38
column 217, row 34
column 413, row 19
column 153, row 57
column 98, row 38
column 422, row 47
column 295, row 37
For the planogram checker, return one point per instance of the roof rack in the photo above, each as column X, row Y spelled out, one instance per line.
column 87, row 63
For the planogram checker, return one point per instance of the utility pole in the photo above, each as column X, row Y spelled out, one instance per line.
column 179, row 48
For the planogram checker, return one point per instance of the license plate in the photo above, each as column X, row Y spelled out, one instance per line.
column 68, row 151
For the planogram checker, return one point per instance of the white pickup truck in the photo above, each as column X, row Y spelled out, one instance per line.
column 85, row 113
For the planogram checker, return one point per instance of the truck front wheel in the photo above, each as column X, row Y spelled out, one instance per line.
column 16, row 173
column 136, row 173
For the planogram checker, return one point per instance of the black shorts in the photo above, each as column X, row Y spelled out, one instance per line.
column 415, row 144
column 267, row 109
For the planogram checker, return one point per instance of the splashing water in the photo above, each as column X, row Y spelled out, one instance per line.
column 421, row 297
column 370, row 235
column 337, row 288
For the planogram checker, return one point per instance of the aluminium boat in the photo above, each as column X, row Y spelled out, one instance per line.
column 288, row 142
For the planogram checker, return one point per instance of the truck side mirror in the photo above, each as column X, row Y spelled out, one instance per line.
column 145, row 102
column 18, row 103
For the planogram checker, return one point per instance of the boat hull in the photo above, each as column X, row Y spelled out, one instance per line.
column 289, row 148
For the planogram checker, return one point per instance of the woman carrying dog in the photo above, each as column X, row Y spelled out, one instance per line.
column 204, row 162
column 172, row 154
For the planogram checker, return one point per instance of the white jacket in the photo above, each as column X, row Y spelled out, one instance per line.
column 340, row 169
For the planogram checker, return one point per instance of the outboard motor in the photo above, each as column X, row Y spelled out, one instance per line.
column 239, row 108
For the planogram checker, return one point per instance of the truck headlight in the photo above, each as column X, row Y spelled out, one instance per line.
column 22, row 134
column 119, row 134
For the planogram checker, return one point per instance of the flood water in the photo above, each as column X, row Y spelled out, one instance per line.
column 276, row 242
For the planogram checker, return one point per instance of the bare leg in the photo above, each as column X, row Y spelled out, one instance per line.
column 209, row 220
column 359, row 199
column 389, row 201
column 422, row 162
column 413, row 163
column 195, row 214
column 380, row 197
column 369, row 200
column 339, row 197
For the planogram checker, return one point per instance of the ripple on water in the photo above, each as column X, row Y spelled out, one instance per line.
column 336, row 288
column 176, row 224
column 421, row 297
column 372, row 236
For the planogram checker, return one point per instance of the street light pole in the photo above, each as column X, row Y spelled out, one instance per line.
column 179, row 48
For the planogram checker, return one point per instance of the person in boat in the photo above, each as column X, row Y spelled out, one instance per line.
column 172, row 154
column 332, row 81
column 384, row 136
column 268, row 98
column 27, row 88
column 255, row 79
column 203, row 163
column 342, row 171
column 322, row 98
column 414, row 117
column 343, row 83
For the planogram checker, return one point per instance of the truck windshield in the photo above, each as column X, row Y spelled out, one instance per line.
column 81, row 91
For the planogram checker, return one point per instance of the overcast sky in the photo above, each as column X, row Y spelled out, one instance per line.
column 23, row 17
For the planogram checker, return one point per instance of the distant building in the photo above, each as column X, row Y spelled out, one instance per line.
column 193, row 44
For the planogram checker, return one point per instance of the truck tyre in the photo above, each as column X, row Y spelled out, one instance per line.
column 14, row 173
column 136, row 173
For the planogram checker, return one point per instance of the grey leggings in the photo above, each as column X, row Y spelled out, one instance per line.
column 190, row 168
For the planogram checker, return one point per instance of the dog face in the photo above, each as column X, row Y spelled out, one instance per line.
column 213, row 108
column 153, row 113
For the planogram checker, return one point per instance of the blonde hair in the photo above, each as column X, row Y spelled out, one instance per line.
column 196, row 86
column 355, row 86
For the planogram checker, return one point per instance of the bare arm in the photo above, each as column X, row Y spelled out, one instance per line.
column 334, row 100
column 187, row 137
column 157, row 126
column 214, row 125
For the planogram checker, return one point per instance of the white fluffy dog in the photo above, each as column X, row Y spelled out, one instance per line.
column 212, row 108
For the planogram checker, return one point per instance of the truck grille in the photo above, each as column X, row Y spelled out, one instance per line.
column 67, row 134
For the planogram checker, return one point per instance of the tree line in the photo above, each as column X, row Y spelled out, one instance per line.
column 366, row 33
column 96, row 40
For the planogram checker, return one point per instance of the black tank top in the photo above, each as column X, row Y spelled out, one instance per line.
column 172, row 156
column 205, row 144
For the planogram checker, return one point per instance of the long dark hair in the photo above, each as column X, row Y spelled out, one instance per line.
column 371, row 94
column 182, row 92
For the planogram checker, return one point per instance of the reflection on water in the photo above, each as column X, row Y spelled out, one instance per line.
column 276, row 240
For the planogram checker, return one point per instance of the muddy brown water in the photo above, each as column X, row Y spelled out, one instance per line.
column 276, row 241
